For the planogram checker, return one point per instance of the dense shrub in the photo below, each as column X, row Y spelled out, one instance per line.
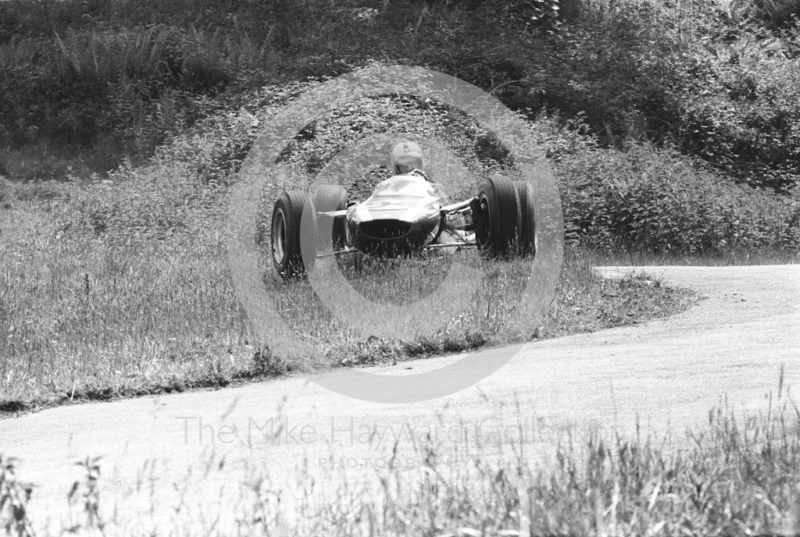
column 135, row 85
column 689, row 74
column 777, row 12
column 642, row 198
column 718, row 80
column 735, row 91
column 656, row 200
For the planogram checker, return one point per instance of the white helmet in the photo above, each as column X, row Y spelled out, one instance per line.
column 407, row 157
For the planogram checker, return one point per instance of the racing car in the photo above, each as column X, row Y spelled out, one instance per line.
column 405, row 215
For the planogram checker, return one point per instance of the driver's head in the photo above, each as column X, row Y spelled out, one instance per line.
column 407, row 157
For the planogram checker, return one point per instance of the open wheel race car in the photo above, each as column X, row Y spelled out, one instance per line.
column 406, row 214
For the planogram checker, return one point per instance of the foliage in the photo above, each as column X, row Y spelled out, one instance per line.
column 736, row 103
column 728, row 93
column 150, row 240
column 646, row 199
column 124, row 287
column 132, row 85
column 14, row 498
column 718, row 80
column 641, row 199
column 85, row 495
column 777, row 12
column 215, row 148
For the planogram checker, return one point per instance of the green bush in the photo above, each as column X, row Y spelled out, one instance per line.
column 738, row 105
column 134, row 85
column 718, row 80
column 639, row 199
column 778, row 12
column 646, row 199
column 688, row 74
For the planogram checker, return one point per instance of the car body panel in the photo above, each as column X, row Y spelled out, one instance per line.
column 403, row 214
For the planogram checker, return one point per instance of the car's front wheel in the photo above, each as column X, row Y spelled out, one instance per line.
column 495, row 213
column 293, row 238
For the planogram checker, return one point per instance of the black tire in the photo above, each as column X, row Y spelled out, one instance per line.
column 293, row 238
column 495, row 215
column 331, row 234
column 526, row 225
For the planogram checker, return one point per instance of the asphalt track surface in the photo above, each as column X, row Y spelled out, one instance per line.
column 196, row 449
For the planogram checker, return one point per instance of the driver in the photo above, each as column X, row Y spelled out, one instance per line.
column 407, row 159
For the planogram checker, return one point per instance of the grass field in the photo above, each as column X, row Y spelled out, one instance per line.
column 121, row 287
column 86, row 318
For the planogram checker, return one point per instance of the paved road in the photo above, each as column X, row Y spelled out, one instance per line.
column 200, row 446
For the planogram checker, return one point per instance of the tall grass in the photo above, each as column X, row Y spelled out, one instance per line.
column 114, row 92
column 88, row 318
column 121, row 286
column 124, row 288
column 80, row 315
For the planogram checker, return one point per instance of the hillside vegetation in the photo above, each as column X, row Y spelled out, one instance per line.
column 115, row 278
column 707, row 94
column 107, row 78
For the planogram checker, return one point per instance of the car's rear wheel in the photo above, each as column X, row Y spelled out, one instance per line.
column 331, row 231
column 495, row 215
column 293, row 238
column 526, row 225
